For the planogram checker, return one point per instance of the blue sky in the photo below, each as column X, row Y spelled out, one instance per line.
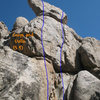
column 83, row 15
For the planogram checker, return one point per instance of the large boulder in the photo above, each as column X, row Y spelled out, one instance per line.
column 90, row 55
column 49, row 10
column 85, row 87
column 20, row 22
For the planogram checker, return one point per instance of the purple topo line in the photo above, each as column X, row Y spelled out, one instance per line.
column 61, row 54
column 44, row 54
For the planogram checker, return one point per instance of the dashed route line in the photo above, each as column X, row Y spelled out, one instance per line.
column 61, row 53
column 44, row 54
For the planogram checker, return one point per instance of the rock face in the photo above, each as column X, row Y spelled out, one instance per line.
column 23, row 72
column 22, row 77
column 86, row 87
column 49, row 10
column 90, row 51
column 53, row 39
column 3, row 30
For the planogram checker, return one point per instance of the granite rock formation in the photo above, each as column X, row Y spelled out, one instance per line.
column 85, row 87
column 22, row 72
column 3, row 30
column 20, row 22
column 89, row 52
column 49, row 10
